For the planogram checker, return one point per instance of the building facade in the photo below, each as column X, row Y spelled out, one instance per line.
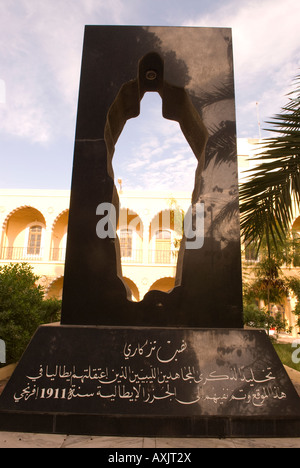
column 34, row 227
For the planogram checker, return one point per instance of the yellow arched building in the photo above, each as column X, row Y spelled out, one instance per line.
column 33, row 228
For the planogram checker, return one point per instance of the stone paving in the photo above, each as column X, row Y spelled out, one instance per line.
column 21, row 440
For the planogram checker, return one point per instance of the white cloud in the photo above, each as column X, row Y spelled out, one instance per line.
column 40, row 57
column 265, row 32
column 40, row 54
column 152, row 152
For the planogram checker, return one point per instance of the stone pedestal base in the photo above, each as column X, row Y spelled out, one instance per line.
column 151, row 382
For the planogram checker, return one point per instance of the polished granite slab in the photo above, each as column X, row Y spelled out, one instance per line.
column 192, row 70
column 151, row 382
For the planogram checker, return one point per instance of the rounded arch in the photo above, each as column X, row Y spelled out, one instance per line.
column 126, row 206
column 24, row 233
column 64, row 213
column 296, row 224
column 17, row 211
column 59, row 236
column 130, row 219
column 167, row 219
column 55, row 288
column 165, row 284
column 133, row 288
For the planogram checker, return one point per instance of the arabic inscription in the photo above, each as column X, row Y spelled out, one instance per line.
column 147, row 373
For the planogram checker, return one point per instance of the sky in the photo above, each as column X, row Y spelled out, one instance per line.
column 40, row 59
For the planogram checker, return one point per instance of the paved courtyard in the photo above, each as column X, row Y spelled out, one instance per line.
column 19, row 440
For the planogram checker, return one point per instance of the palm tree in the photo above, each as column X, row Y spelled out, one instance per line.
column 270, row 198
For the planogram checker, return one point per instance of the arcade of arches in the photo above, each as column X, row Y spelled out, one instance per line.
column 34, row 230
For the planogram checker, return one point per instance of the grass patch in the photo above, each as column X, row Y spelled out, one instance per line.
column 285, row 352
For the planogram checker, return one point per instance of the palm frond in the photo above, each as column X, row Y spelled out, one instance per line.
column 221, row 144
column 223, row 91
column 268, row 200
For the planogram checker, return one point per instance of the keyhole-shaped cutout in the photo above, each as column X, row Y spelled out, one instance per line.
column 152, row 152
column 176, row 106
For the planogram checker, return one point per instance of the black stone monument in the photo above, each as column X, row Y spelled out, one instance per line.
column 192, row 70
column 177, row 363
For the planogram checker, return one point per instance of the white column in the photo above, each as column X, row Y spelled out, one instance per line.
column 146, row 243
column 47, row 238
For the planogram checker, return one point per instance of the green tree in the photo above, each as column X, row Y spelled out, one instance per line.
column 22, row 308
column 294, row 285
column 269, row 284
column 261, row 318
column 269, row 199
column 253, row 315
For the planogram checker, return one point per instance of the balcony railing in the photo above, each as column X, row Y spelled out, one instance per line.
column 22, row 253
column 164, row 257
column 31, row 254
column 134, row 256
column 57, row 255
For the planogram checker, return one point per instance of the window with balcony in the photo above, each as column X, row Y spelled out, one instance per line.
column 34, row 243
column 163, row 247
column 126, row 243
column 129, row 241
